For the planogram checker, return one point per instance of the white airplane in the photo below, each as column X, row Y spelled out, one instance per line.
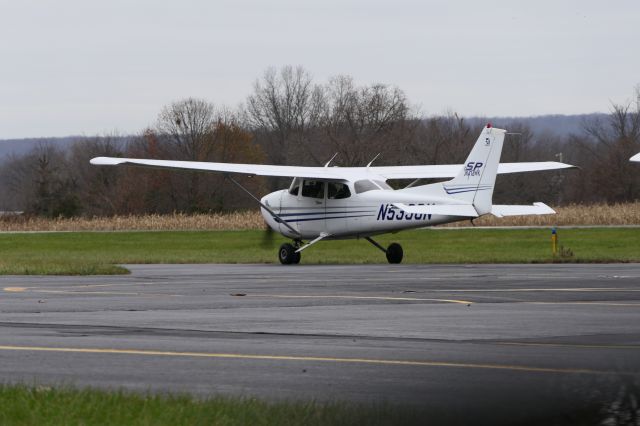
column 330, row 203
column 635, row 158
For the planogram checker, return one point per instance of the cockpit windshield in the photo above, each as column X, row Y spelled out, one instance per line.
column 295, row 186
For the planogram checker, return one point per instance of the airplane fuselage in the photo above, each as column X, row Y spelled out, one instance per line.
column 359, row 215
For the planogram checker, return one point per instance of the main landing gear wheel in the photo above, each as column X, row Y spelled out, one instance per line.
column 287, row 254
column 394, row 253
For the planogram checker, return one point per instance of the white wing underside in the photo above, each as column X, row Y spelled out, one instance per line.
column 467, row 210
column 329, row 173
column 635, row 158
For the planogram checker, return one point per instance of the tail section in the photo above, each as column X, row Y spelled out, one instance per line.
column 474, row 184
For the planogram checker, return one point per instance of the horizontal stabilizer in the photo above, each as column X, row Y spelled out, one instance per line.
column 636, row 158
column 463, row 210
column 535, row 209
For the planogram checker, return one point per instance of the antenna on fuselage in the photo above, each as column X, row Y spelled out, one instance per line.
column 374, row 159
column 329, row 162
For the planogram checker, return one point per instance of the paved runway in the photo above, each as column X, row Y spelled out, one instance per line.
column 446, row 337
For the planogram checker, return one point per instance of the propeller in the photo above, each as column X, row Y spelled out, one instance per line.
column 267, row 237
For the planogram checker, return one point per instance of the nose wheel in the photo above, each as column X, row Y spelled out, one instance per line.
column 287, row 254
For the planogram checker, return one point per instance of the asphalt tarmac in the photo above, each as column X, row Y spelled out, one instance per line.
column 457, row 338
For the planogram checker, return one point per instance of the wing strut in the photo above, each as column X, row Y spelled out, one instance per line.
column 276, row 217
column 322, row 235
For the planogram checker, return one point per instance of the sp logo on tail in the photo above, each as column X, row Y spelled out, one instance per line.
column 473, row 168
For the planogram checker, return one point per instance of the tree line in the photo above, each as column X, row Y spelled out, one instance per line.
column 290, row 119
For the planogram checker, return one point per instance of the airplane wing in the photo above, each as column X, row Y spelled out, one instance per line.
column 507, row 210
column 452, row 170
column 463, row 210
column 635, row 158
column 327, row 173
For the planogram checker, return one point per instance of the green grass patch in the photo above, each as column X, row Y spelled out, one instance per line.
column 79, row 253
column 42, row 406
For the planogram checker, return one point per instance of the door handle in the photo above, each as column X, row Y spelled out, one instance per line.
column 318, row 202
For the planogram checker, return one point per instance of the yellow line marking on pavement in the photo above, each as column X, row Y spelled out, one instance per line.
column 569, row 345
column 507, row 367
column 595, row 303
column 112, row 293
column 515, row 290
column 411, row 299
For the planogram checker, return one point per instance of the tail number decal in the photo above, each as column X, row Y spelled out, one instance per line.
column 389, row 212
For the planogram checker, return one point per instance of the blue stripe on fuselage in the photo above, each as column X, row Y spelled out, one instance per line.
column 327, row 218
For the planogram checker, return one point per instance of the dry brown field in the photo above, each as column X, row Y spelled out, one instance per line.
column 573, row 215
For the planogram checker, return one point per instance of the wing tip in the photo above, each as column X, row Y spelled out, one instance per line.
column 105, row 161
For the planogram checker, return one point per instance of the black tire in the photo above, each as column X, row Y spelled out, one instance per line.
column 394, row 253
column 296, row 258
column 287, row 254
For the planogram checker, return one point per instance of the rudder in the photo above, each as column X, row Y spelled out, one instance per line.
column 475, row 182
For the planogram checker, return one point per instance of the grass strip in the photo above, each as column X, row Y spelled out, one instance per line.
column 43, row 406
column 86, row 253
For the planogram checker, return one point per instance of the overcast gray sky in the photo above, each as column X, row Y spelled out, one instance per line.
column 86, row 67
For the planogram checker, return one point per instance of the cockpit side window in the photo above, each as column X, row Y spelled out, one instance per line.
column 364, row 186
column 295, row 186
column 313, row 189
column 337, row 191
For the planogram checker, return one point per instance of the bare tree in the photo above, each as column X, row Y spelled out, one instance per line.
column 360, row 122
column 44, row 182
column 189, row 191
column 189, row 125
column 284, row 106
column 611, row 143
column 441, row 139
column 97, row 187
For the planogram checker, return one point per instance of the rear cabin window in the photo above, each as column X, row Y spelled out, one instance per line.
column 337, row 191
column 364, row 186
column 313, row 189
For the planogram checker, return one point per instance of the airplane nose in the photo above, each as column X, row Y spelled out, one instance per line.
column 271, row 201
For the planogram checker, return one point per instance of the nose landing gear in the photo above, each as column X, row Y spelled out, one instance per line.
column 287, row 254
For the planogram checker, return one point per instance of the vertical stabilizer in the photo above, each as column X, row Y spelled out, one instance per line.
column 474, row 184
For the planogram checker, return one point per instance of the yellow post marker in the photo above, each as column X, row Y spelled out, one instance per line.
column 554, row 241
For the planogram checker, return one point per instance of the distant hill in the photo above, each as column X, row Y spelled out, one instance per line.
column 558, row 125
column 22, row 146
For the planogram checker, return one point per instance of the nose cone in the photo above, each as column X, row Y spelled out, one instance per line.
column 272, row 201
